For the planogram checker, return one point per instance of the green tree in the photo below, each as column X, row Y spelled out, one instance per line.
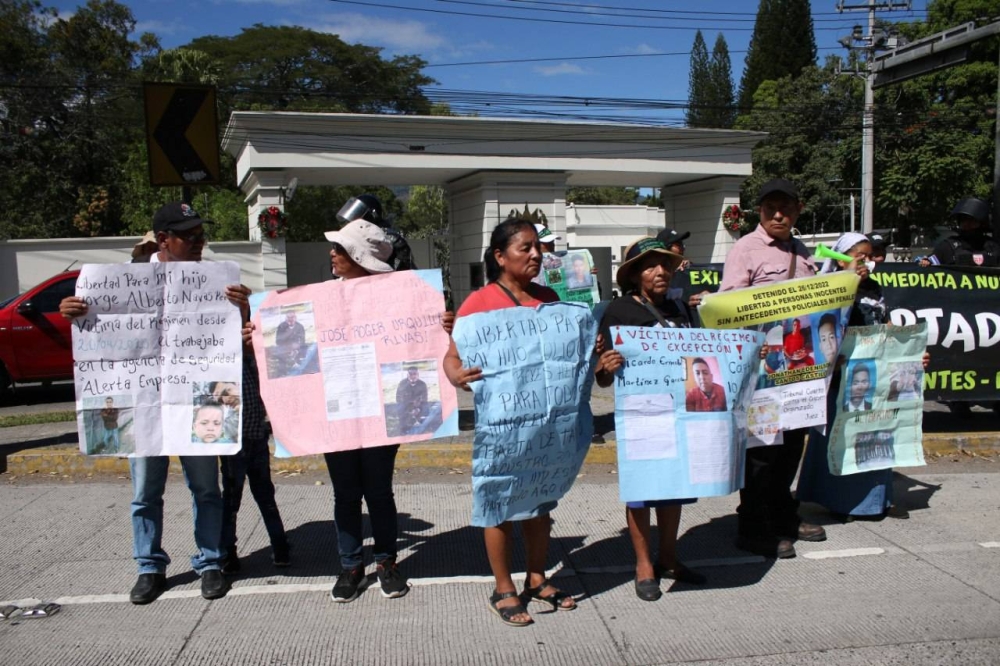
column 813, row 140
column 935, row 134
column 602, row 196
column 699, row 85
column 293, row 68
column 782, row 44
column 722, row 109
column 71, row 134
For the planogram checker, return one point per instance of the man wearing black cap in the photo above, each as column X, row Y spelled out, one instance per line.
column 768, row 516
column 180, row 236
column 971, row 246
column 673, row 240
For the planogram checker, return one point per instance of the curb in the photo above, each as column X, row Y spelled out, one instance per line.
column 66, row 460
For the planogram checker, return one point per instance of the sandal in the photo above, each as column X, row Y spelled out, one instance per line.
column 555, row 600
column 507, row 613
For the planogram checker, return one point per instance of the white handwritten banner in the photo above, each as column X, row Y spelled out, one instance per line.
column 880, row 404
column 350, row 364
column 159, row 348
column 680, row 410
column 533, row 418
column 804, row 321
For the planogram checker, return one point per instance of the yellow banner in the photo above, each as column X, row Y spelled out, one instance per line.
column 745, row 308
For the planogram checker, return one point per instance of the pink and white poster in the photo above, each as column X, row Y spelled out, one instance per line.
column 350, row 364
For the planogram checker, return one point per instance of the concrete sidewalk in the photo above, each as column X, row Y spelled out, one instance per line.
column 922, row 591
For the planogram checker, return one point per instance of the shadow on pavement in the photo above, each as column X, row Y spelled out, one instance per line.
column 708, row 541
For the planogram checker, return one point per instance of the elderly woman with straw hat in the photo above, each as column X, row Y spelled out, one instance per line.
column 644, row 278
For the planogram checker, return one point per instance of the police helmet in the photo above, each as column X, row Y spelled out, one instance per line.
column 364, row 207
column 977, row 209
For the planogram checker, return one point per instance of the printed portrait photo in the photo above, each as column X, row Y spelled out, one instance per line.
column 906, row 381
column 874, row 450
column 412, row 397
column 797, row 343
column 578, row 274
column 216, row 412
column 703, row 393
column 290, row 340
column 826, row 336
column 774, row 355
column 859, row 385
column 108, row 424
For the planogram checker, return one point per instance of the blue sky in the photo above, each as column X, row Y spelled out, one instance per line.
column 445, row 34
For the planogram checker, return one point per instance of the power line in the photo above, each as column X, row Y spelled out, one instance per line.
column 840, row 27
column 594, row 57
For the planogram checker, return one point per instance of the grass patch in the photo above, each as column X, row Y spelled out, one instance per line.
column 35, row 419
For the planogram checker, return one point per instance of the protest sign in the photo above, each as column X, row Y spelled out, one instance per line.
column 350, row 364
column 533, row 419
column 158, row 348
column 960, row 305
column 568, row 274
column 803, row 321
column 880, row 404
column 680, row 410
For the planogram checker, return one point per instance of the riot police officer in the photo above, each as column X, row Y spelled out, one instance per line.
column 971, row 246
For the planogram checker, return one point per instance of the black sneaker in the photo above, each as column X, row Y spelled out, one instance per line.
column 148, row 588
column 280, row 555
column 393, row 583
column 348, row 585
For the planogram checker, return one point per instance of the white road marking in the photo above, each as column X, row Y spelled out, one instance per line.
column 324, row 587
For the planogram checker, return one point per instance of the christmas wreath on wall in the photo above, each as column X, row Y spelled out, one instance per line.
column 273, row 222
column 733, row 220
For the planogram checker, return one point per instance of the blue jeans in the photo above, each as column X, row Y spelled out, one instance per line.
column 149, row 480
column 112, row 434
column 367, row 474
column 252, row 463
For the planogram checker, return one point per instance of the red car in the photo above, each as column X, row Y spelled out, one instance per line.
column 35, row 342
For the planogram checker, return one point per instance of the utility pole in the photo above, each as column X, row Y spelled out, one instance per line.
column 871, row 42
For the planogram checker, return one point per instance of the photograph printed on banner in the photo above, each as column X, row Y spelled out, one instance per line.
column 216, row 412
column 827, row 334
column 906, row 381
column 797, row 343
column 578, row 274
column 108, row 424
column 290, row 340
column 411, row 397
column 702, row 392
column 860, row 385
column 874, row 450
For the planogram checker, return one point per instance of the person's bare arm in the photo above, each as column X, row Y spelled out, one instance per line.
column 457, row 374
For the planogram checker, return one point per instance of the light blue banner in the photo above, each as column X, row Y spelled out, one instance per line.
column 681, row 404
column 533, row 419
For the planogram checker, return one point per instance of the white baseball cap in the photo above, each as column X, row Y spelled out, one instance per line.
column 545, row 234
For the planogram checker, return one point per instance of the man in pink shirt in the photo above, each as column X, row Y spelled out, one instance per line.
column 768, row 516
